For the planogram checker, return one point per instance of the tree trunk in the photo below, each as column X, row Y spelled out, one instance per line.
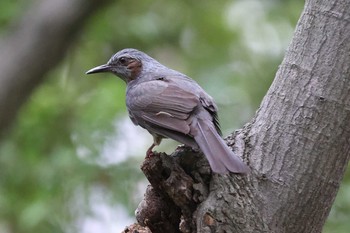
column 297, row 145
column 37, row 43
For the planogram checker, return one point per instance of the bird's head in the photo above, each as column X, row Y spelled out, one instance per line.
column 127, row 64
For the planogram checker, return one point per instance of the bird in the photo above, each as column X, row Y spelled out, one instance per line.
column 169, row 104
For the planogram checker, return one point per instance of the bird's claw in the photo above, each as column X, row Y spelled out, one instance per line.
column 149, row 154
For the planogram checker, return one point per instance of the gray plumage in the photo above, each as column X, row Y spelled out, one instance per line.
column 171, row 105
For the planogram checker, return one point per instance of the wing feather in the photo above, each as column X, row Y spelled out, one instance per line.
column 163, row 103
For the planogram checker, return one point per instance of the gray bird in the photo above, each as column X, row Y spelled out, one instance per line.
column 171, row 105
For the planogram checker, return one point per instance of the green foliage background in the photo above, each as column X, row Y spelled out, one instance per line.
column 232, row 48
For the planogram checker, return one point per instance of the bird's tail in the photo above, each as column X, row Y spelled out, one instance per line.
column 219, row 155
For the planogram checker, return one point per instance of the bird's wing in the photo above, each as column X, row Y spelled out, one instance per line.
column 209, row 105
column 164, row 103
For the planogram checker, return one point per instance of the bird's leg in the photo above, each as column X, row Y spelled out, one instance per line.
column 156, row 141
column 149, row 152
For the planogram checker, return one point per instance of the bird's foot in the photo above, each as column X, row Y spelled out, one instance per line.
column 149, row 154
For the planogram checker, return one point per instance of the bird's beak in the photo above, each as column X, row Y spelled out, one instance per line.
column 99, row 69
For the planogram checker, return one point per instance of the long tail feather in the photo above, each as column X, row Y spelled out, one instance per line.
column 219, row 155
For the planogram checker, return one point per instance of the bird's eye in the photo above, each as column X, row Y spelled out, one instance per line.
column 123, row 60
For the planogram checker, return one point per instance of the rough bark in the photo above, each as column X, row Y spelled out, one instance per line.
column 35, row 45
column 297, row 145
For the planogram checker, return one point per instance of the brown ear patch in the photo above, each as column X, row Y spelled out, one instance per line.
column 135, row 67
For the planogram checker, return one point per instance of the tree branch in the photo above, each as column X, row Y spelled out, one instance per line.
column 36, row 45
